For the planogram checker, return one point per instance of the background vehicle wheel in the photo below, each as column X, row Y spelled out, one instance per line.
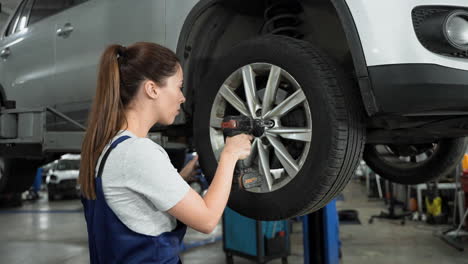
column 307, row 158
column 51, row 196
column 17, row 175
column 415, row 163
column 3, row 173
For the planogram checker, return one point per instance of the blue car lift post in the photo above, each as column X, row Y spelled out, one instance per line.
column 320, row 232
column 321, row 236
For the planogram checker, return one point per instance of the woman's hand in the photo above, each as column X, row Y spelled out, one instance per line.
column 190, row 170
column 238, row 146
column 204, row 213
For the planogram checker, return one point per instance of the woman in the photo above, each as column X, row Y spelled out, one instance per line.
column 132, row 194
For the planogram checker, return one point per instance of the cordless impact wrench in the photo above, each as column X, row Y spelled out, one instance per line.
column 234, row 125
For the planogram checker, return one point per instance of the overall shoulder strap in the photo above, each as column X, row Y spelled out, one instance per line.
column 112, row 146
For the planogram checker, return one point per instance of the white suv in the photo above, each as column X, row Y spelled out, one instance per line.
column 333, row 78
column 62, row 177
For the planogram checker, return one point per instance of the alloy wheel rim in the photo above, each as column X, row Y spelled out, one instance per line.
column 268, row 92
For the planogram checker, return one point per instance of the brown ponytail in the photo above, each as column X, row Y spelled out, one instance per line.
column 121, row 71
column 105, row 119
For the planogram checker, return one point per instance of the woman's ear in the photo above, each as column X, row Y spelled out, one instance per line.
column 151, row 89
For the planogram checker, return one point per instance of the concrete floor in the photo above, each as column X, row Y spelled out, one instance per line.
column 43, row 232
column 387, row 241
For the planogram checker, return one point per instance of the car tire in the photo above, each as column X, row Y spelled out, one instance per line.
column 443, row 158
column 51, row 195
column 17, row 175
column 4, row 172
column 336, row 134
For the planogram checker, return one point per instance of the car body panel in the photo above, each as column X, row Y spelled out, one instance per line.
column 98, row 23
column 28, row 72
column 393, row 40
column 48, row 70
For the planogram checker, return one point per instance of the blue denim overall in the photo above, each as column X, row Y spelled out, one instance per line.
column 110, row 241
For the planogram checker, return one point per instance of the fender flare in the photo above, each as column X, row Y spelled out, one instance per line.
column 192, row 17
column 357, row 53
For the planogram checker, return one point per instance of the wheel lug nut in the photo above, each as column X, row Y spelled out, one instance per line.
column 258, row 113
column 269, row 123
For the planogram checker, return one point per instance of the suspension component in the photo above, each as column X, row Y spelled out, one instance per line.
column 281, row 18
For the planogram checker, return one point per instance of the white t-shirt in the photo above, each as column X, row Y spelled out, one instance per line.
column 140, row 184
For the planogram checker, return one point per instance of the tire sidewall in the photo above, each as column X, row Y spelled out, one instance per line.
column 4, row 166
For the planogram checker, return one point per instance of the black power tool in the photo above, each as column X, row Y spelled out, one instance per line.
column 235, row 125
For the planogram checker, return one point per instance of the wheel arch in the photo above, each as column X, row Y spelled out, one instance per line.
column 213, row 26
column 357, row 54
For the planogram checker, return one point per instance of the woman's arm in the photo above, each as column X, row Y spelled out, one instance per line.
column 203, row 214
column 190, row 170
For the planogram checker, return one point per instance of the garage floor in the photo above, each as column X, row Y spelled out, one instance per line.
column 43, row 232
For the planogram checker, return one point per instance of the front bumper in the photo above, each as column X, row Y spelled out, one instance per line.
column 419, row 89
column 64, row 186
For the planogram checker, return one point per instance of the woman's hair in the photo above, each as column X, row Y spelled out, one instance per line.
column 121, row 71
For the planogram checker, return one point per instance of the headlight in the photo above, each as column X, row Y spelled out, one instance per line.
column 456, row 29
column 53, row 178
